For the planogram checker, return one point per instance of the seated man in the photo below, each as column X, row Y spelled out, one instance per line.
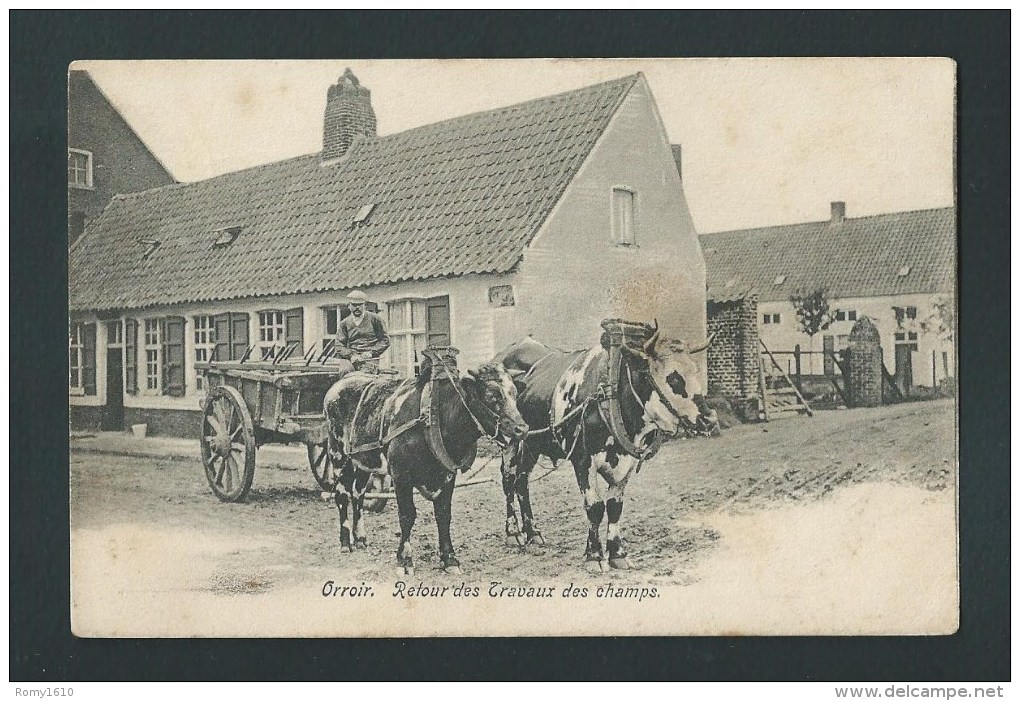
column 361, row 335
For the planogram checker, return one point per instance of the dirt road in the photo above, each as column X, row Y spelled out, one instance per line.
column 814, row 515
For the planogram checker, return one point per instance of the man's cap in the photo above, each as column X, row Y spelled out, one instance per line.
column 357, row 296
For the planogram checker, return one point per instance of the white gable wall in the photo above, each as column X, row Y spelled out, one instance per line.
column 574, row 274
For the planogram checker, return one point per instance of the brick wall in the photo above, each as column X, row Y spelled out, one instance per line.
column 864, row 365
column 733, row 355
column 348, row 113
column 179, row 423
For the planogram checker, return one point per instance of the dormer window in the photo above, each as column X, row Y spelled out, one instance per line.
column 79, row 168
column 780, row 279
column 225, row 237
column 903, row 271
column 364, row 213
column 150, row 247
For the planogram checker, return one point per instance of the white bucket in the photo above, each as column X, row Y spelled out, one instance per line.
column 139, row 430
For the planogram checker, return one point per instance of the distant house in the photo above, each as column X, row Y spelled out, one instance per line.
column 898, row 269
column 104, row 155
column 539, row 218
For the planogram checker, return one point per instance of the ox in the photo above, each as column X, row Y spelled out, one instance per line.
column 423, row 431
column 606, row 410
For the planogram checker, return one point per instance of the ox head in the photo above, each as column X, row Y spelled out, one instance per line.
column 678, row 399
column 491, row 389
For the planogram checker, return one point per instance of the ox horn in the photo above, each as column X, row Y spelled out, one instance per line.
column 649, row 346
column 702, row 346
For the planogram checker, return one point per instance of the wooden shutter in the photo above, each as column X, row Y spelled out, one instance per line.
column 221, row 334
column 131, row 356
column 172, row 333
column 238, row 335
column 88, row 358
column 437, row 321
column 828, row 348
column 293, row 329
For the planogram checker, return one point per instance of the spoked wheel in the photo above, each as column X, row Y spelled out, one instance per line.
column 322, row 468
column 228, row 444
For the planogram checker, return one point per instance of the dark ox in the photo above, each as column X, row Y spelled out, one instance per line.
column 657, row 394
column 378, row 424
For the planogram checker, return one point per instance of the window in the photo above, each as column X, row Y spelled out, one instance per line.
column 845, row 315
column 362, row 216
column 75, row 356
column 205, row 344
column 911, row 335
column 114, row 333
column 79, row 168
column 623, row 217
column 851, row 315
column 413, row 325
column 225, row 237
column 81, row 358
column 332, row 315
column 270, row 334
column 771, row 318
column 840, row 315
column 900, row 336
column 911, row 312
column 152, row 356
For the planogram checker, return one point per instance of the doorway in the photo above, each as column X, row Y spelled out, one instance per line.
column 113, row 412
column 905, row 367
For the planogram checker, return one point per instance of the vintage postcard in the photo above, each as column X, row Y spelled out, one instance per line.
column 512, row 348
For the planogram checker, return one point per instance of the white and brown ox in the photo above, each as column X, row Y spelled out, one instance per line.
column 606, row 410
column 422, row 431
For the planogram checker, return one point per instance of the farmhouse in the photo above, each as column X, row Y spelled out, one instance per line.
column 104, row 154
column 539, row 218
column 898, row 269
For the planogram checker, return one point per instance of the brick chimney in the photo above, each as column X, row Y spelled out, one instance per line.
column 348, row 113
column 838, row 212
column 676, row 159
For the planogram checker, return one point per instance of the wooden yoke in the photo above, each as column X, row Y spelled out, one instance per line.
column 443, row 360
column 620, row 333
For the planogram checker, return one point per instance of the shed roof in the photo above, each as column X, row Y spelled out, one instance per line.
column 886, row 254
column 456, row 197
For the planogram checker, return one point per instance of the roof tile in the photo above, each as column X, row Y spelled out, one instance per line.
column 461, row 196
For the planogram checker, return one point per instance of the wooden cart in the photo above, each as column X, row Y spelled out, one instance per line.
column 249, row 404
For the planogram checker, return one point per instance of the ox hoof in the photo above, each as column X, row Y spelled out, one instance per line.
column 453, row 569
column 346, row 548
column 405, row 570
column 536, row 539
column 619, row 563
column 514, row 540
column 595, row 566
column 361, row 543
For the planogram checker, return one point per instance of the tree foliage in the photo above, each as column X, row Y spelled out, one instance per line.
column 814, row 311
column 942, row 320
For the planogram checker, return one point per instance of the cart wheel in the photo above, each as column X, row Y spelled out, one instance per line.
column 228, row 444
column 322, row 468
column 378, row 483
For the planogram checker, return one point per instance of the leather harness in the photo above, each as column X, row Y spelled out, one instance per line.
column 428, row 408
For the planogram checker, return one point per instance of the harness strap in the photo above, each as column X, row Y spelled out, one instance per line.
column 434, row 433
column 612, row 414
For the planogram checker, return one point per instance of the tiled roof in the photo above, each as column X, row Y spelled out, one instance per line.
column 886, row 254
column 452, row 198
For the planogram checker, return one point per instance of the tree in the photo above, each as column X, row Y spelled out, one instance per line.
column 942, row 320
column 814, row 314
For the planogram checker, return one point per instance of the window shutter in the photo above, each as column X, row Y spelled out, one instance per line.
column 293, row 329
column 131, row 356
column 437, row 321
column 238, row 335
column 88, row 359
column 221, row 333
column 173, row 355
